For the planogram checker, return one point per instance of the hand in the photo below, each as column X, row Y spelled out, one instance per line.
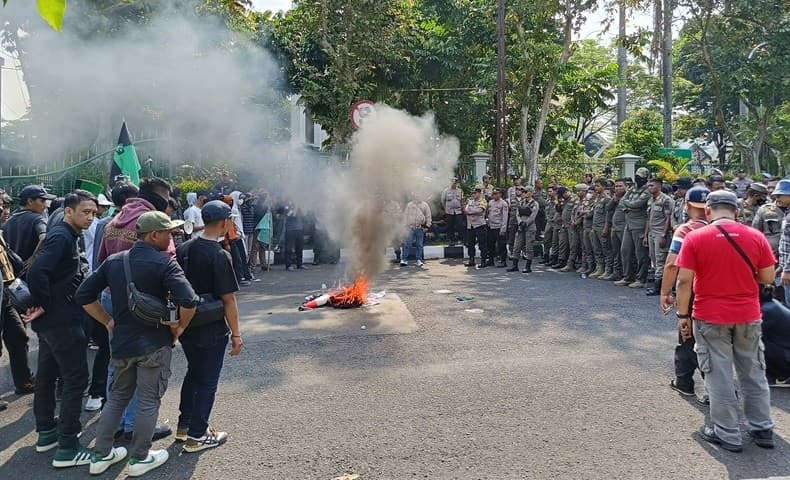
column 684, row 327
column 110, row 326
column 644, row 242
column 605, row 232
column 177, row 332
column 502, row 234
column 663, row 242
column 235, row 345
column 785, row 278
column 666, row 303
column 32, row 314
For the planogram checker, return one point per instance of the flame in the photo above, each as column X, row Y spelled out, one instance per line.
column 355, row 295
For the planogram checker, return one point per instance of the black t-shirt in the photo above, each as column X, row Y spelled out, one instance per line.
column 210, row 270
column 22, row 231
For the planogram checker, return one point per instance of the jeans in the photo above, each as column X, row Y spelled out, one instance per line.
column 204, row 364
column 127, row 422
column 415, row 236
column 61, row 352
column 16, row 342
column 147, row 375
column 719, row 348
column 777, row 361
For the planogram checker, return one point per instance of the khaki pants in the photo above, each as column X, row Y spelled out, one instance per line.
column 602, row 250
column 617, row 261
column 574, row 244
column 563, row 243
column 658, row 255
column 523, row 244
column 587, row 248
column 634, row 255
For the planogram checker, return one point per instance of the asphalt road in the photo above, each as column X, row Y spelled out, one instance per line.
column 557, row 377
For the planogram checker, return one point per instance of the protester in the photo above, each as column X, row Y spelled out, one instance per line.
column 204, row 346
column 727, row 262
column 56, row 271
column 25, row 230
column 417, row 219
column 141, row 354
column 195, row 200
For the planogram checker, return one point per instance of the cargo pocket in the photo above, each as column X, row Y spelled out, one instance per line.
column 761, row 355
column 165, row 356
column 703, row 358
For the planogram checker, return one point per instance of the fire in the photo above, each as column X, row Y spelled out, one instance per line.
column 355, row 295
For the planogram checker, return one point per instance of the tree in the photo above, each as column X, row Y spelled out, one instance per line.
column 641, row 134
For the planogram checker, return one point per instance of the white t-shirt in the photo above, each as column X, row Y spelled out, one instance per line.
column 192, row 214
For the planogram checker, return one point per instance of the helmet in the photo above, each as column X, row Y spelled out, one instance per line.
column 782, row 188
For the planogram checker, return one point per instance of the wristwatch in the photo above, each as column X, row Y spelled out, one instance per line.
column 682, row 315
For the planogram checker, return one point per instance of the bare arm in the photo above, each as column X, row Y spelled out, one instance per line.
column 685, row 281
column 765, row 276
column 232, row 317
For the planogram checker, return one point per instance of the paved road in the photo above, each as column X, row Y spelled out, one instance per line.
column 559, row 377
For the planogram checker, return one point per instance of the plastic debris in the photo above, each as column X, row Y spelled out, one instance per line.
column 443, row 291
column 464, row 298
column 474, row 310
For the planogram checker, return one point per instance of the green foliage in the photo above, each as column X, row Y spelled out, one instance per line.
column 671, row 167
column 52, row 11
column 190, row 185
column 641, row 134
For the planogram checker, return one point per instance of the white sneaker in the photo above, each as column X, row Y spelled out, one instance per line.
column 206, row 441
column 101, row 464
column 419, row 263
column 154, row 459
column 93, row 404
column 404, row 264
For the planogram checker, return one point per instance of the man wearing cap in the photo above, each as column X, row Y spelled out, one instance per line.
column 549, row 240
column 727, row 262
column 569, row 201
column 452, row 197
column 685, row 357
column 588, row 255
column 140, row 353
column 716, row 182
column 497, row 216
column 487, row 188
column 678, row 212
column 658, row 230
column 512, row 192
column 527, row 213
column 26, row 228
column 55, row 272
column 574, row 226
column 513, row 201
column 634, row 253
column 475, row 211
column 742, row 182
column 559, row 242
column 755, row 197
column 616, row 214
column 768, row 218
column 600, row 234
column 209, row 270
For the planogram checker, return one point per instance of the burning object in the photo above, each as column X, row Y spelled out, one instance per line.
column 353, row 296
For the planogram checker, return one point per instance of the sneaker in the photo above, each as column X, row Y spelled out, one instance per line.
column 291, row 269
column 763, row 438
column 71, row 458
column 779, row 383
column 420, row 263
column 160, row 431
column 622, row 282
column 215, row 439
column 26, row 388
column 47, row 440
column 181, row 434
column 404, row 264
column 154, row 459
column 704, row 400
column 100, row 464
column 93, row 404
column 709, row 435
column 92, row 345
column 245, row 283
column 683, row 391
column 636, row 284
column 3, row 405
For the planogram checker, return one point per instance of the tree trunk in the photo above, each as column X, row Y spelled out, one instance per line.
column 666, row 70
column 622, row 69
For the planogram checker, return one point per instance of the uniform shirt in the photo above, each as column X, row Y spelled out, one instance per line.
column 768, row 220
column 417, row 214
column 599, row 211
column 152, row 273
column 22, row 232
column 512, row 210
column 569, row 210
column 451, row 201
column 54, row 275
column 488, row 191
column 678, row 213
column 528, row 221
column 748, row 212
column 209, row 270
column 618, row 215
column 725, row 290
column 659, row 209
column 511, row 193
column 587, row 212
column 635, row 206
column 498, row 215
column 556, row 220
column 475, row 213
column 742, row 185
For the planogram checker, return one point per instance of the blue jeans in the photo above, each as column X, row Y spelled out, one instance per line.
column 127, row 421
column 204, row 364
column 416, row 236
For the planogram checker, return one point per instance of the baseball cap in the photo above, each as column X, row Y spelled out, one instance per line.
column 101, row 199
column 642, row 172
column 683, row 182
column 156, row 222
column 758, row 187
column 581, row 186
column 215, row 210
column 33, row 192
column 722, row 197
column 697, row 196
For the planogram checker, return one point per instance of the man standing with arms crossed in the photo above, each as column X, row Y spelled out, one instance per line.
column 633, row 250
column 452, row 197
column 657, row 230
column 727, row 262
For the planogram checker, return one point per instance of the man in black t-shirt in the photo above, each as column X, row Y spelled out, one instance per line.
column 209, row 269
column 27, row 227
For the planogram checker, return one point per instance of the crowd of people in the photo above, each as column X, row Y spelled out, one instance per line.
column 91, row 269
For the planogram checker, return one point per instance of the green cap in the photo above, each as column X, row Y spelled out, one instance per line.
column 156, row 222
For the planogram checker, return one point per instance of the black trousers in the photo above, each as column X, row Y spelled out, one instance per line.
column 16, row 343
column 777, row 361
column 97, row 331
column 476, row 236
column 61, row 351
column 685, row 363
column 496, row 245
column 239, row 259
column 294, row 245
column 455, row 227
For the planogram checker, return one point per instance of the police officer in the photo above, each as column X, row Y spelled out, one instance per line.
column 768, row 220
column 487, row 188
column 475, row 210
column 600, row 235
column 755, row 198
column 559, row 244
column 679, row 210
column 573, row 224
column 528, row 210
column 513, row 192
column 513, row 199
column 634, row 251
column 497, row 216
column 588, row 258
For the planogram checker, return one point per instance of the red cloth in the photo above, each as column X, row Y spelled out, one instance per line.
column 725, row 290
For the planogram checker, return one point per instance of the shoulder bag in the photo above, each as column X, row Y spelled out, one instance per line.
column 739, row 250
column 210, row 309
column 151, row 310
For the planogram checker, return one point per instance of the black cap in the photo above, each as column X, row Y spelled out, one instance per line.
column 683, row 182
column 215, row 210
column 33, row 192
column 722, row 197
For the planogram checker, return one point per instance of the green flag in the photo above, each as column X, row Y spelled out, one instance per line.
column 125, row 159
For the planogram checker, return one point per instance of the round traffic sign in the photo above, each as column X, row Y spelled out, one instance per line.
column 361, row 111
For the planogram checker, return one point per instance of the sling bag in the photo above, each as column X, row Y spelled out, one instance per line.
column 739, row 250
column 210, row 309
column 151, row 310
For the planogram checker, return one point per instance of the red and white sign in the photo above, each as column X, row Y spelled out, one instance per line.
column 361, row 111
